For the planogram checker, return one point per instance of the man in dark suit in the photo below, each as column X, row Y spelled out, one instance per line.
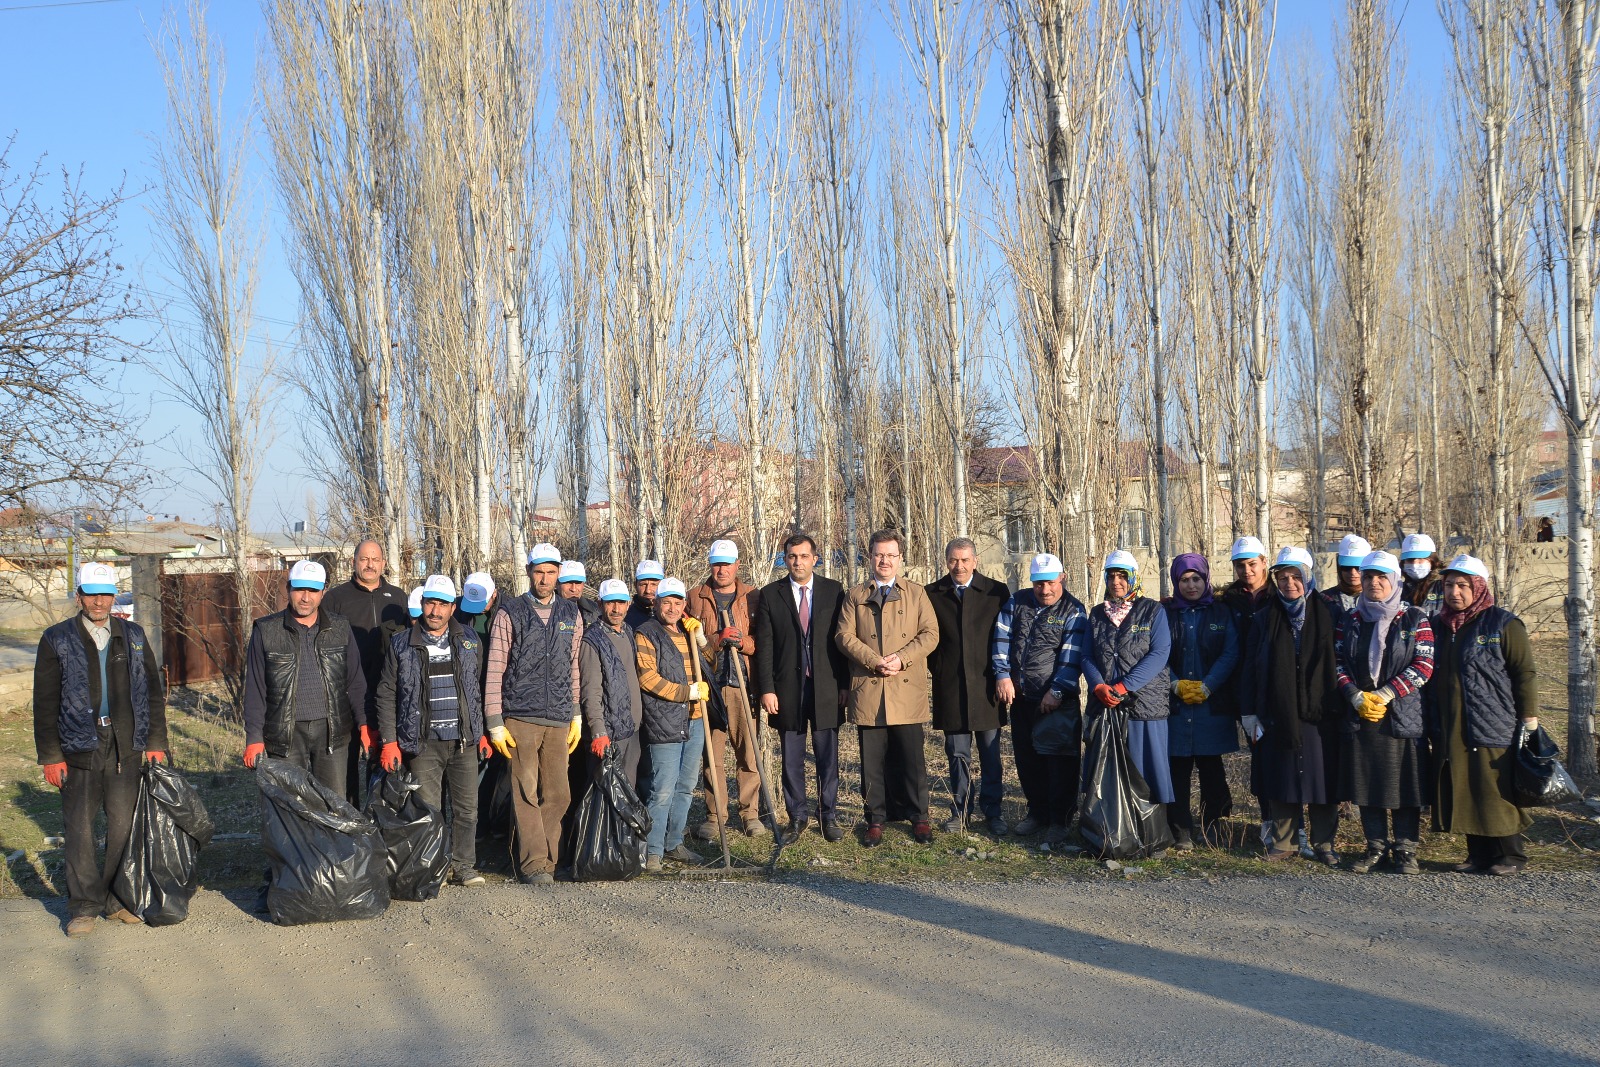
column 966, row 604
column 800, row 676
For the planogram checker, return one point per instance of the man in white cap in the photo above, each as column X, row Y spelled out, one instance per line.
column 304, row 691
column 800, row 679
column 570, row 585
column 612, row 709
column 531, row 705
column 725, row 605
column 430, row 716
column 646, row 577
column 886, row 630
column 374, row 609
column 1040, row 639
column 1342, row 599
column 99, row 712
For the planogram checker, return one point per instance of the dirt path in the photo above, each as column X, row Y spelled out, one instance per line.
column 1436, row 969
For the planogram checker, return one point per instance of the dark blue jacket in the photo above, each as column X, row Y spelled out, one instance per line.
column 66, row 693
column 1134, row 654
column 1490, row 661
column 403, row 685
column 1040, row 648
column 538, row 679
column 616, row 684
column 1407, row 665
column 1205, row 648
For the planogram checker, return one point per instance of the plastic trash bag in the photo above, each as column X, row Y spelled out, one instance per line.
column 159, row 872
column 1056, row 734
column 611, row 827
column 1116, row 816
column 494, row 797
column 1539, row 779
column 413, row 832
column 327, row 858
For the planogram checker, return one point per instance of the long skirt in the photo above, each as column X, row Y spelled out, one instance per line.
column 1380, row 771
column 1147, row 745
column 1306, row 775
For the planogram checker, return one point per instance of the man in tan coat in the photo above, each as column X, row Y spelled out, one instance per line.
column 723, row 603
column 886, row 630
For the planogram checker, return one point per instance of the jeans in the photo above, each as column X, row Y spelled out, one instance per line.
column 96, row 781
column 445, row 762
column 958, row 750
column 674, row 770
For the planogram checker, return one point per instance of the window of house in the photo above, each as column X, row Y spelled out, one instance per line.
column 1135, row 529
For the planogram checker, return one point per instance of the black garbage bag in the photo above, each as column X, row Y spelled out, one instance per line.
column 327, row 858
column 1116, row 816
column 1056, row 734
column 413, row 832
column 494, row 797
column 611, row 827
column 159, row 872
column 1539, row 779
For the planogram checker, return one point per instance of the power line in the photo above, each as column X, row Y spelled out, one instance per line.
column 60, row 3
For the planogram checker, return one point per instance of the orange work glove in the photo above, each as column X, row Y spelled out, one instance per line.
column 55, row 774
column 485, row 750
column 599, row 745
column 730, row 636
column 154, row 755
column 367, row 740
column 252, row 753
column 390, row 760
column 1110, row 695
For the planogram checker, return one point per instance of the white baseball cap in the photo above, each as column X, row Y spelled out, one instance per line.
column 572, row 571
column 1417, row 546
column 724, row 552
column 1044, row 568
column 544, row 552
column 308, row 574
column 1465, row 564
column 439, row 587
column 1295, row 556
column 1247, row 548
column 1122, row 561
column 1352, row 550
column 1382, row 562
column 649, row 569
column 414, row 603
column 97, row 579
column 671, row 587
column 476, row 592
column 614, row 589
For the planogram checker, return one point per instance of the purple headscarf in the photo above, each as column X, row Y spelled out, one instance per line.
column 1192, row 561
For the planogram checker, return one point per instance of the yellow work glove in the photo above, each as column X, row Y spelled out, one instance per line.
column 699, row 691
column 501, row 739
column 1373, row 707
column 1191, row 692
column 574, row 734
column 691, row 626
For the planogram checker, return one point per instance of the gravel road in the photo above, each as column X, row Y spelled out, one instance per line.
column 1383, row 969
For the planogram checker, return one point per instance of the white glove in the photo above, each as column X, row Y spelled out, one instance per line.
column 1252, row 726
column 699, row 691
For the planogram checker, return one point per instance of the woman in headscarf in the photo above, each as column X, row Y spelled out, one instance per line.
column 1286, row 694
column 1385, row 652
column 1203, row 726
column 1424, row 580
column 1484, row 690
column 1126, row 667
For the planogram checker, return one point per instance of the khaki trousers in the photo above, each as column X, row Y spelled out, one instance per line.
column 741, row 737
column 539, row 793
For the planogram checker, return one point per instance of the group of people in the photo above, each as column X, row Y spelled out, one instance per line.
column 1403, row 687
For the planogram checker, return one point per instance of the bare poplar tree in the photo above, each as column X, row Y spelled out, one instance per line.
column 1562, row 38
column 209, row 233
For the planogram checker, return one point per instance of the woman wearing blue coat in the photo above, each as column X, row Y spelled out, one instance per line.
column 1203, row 725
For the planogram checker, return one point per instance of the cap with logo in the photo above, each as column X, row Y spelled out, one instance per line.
column 439, row 587
column 1295, row 556
column 414, row 603
column 1352, row 550
column 1417, row 546
column 1044, row 568
column 671, row 587
column 1247, row 548
column 649, row 570
column 97, row 579
column 476, row 592
column 1382, row 562
column 724, row 552
column 572, row 571
column 544, row 552
column 614, row 589
column 1122, row 561
column 1465, row 564
column 308, row 574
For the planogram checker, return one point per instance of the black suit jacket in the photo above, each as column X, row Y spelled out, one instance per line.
column 778, row 665
column 963, row 680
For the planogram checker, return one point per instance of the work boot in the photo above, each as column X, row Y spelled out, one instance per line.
column 754, row 827
column 705, row 831
column 832, row 831
column 1056, row 834
column 81, row 926
column 1182, row 841
column 1027, row 827
column 652, row 864
column 1406, row 862
column 1371, row 861
column 683, row 854
column 953, row 825
column 997, row 826
column 123, row 915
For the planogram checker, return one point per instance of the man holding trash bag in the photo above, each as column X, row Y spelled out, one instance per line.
column 530, row 703
column 1040, row 638
column 430, row 716
column 99, row 711
column 304, row 689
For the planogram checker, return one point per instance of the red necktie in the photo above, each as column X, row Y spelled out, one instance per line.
column 805, row 625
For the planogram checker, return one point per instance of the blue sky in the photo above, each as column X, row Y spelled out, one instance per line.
column 82, row 89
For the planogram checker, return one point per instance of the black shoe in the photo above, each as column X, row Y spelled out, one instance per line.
column 953, row 825
column 874, row 836
column 997, row 826
column 1182, row 841
column 796, row 828
column 923, row 833
column 831, row 831
column 542, row 878
column 1370, row 862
